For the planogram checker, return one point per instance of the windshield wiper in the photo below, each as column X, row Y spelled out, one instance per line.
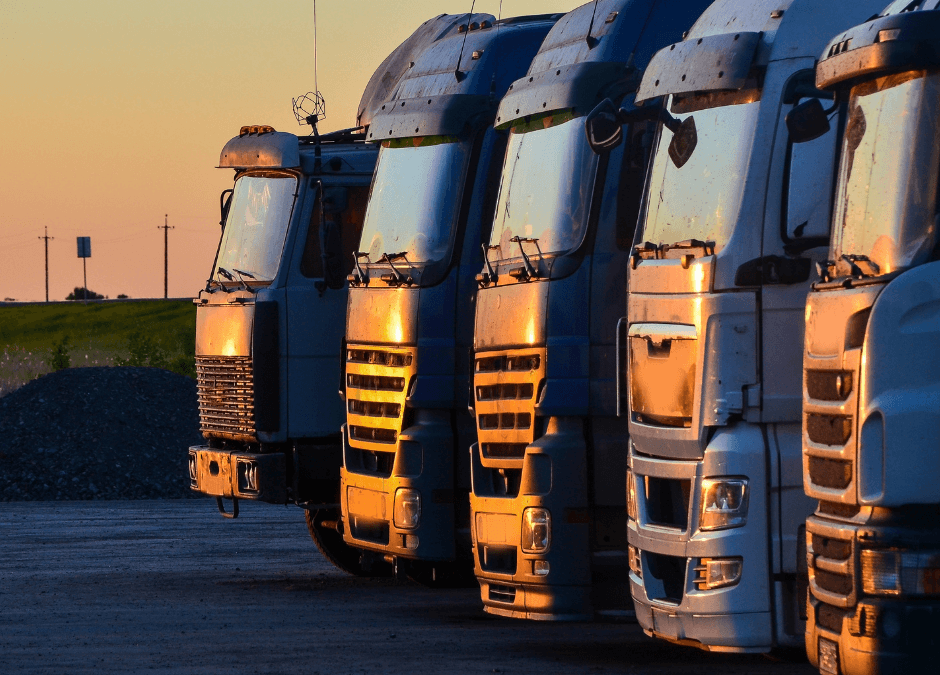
column 242, row 273
column 529, row 271
column 396, row 277
column 484, row 279
column 360, row 276
column 855, row 270
column 649, row 251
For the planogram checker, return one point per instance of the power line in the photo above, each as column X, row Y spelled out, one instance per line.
column 46, row 242
column 166, row 248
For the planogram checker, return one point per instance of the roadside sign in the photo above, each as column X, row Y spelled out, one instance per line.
column 84, row 247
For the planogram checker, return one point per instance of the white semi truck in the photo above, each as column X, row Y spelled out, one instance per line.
column 735, row 215
column 871, row 379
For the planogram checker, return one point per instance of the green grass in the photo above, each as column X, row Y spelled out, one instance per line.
column 100, row 333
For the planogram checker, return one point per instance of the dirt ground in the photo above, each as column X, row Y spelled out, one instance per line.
column 171, row 587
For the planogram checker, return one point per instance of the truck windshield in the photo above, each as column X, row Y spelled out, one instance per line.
column 415, row 197
column 886, row 195
column 699, row 198
column 545, row 187
column 255, row 229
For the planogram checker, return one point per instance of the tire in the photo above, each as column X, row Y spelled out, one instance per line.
column 330, row 543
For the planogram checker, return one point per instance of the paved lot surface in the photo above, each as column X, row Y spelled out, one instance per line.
column 171, row 587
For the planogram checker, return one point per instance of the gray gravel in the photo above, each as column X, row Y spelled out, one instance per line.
column 98, row 433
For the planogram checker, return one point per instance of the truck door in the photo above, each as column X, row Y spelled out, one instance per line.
column 316, row 313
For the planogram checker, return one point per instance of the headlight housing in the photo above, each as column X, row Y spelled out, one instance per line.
column 407, row 508
column 536, row 530
column 893, row 572
column 724, row 503
column 631, row 496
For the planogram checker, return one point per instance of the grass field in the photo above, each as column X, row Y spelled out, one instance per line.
column 97, row 334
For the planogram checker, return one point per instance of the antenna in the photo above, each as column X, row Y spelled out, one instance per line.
column 457, row 74
column 587, row 38
column 311, row 107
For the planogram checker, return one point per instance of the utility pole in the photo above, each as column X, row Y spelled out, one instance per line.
column 47, row 238
column 166, row 244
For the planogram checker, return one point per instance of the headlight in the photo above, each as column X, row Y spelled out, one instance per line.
column 724, row 503
column 636, row 563
column 900, row 572
column 717, row 573
column 631, row 496
column 407, row 508
column 536, row 530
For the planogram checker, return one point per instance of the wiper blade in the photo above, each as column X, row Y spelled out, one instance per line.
column 239, row 273
column 397, row 276
column 244, row 273
column 490, row 276
column 360, row 276
column 856, row 271
column 529, row 272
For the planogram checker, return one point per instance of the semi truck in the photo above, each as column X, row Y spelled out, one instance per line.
column 871, row 378
column 409, row 323
column 548, row 505
column 734, row 216
column 269, row 322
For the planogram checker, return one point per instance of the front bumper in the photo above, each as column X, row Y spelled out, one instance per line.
column 509, row 584
column 238, row 475
column 422, row 461
column 849, row 633
column 669, row 603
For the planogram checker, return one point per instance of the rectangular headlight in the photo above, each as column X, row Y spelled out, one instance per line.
column 536, row 530
column 724, row 503
column 631, row 496
column 718, row 573
column 891, row 572
column 407, row 508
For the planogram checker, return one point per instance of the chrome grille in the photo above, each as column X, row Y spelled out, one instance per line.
column 377, row 382
column 830, row 557
column 505, row 387
column 225, row 386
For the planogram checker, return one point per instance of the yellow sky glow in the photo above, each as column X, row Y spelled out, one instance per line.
column 114, row 114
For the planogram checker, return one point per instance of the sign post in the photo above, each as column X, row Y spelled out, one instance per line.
column 84, row 251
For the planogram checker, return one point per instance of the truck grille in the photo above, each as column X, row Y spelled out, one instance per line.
column 506, row 387
column 377, row 380
column 830, row 402
column 831, row 563
column 225, row 386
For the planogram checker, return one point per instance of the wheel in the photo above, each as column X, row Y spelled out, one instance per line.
column 457, row 574
column 330, row 543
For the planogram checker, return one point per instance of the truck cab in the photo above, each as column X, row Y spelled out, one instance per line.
column 734, row 216
column 269, row 322
column 405, row 475
column 549, row 531
column 871, row 378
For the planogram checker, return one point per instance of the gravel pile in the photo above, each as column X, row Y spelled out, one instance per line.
column 98, row 433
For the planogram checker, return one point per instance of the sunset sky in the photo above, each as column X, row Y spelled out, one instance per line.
column 114, row 114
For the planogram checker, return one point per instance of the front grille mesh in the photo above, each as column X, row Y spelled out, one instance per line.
column 830, row 473
column 506, row 386
column 225, row 387
column 376, row 388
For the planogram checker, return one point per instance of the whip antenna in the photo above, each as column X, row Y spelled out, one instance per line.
column 457, row 74
column 311, row 107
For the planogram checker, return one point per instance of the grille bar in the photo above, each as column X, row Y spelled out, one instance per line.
column 225, row 390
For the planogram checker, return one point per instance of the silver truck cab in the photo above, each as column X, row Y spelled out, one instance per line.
column 548, row 497
column 405, row 475
column 269, row 323
column 871, row 374
column 733, row 218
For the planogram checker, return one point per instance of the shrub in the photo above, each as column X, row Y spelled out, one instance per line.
column 83, row 294
column 59, row 358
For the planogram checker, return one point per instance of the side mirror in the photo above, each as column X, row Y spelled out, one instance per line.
column 603, row 127
column 225, row 201
column 807, row 121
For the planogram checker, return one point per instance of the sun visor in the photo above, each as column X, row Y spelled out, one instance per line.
column 710, row 63
column 446, row 115
column 577, row 86
column 908, row 41
column 267, row 149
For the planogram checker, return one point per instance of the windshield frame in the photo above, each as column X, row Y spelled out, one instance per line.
column 688, row 105
column 576, row 142
column 893, row 217
column 467, row 149
column 216, row 279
